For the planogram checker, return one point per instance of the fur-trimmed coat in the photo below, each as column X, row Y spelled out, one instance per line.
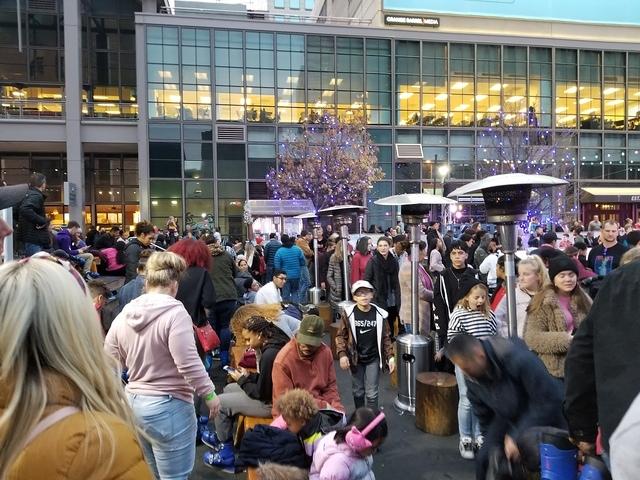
column 545, row 331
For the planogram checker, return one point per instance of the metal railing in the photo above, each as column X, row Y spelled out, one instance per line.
column 268, row 16
column 109, row 111
column 44, row 109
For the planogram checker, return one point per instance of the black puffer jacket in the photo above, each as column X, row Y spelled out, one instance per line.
column 601, row 369
column 32, row 221
column 265, row 443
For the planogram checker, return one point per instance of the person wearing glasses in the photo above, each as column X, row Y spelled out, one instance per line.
column 272, row 291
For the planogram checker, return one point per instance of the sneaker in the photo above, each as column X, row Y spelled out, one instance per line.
column 223, row 459
column 478, row 442
column 466, row 448
column 210, row 439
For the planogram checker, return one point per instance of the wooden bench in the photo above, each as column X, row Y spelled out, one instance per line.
column 245, row 423
column 437, row 403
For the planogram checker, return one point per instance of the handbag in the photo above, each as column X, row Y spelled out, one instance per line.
column 207, row 337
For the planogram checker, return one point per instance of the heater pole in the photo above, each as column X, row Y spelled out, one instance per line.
column 415, row 253
column 508, row 234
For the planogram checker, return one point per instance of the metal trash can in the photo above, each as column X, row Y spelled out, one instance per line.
column 414, row 354
column 314, row 295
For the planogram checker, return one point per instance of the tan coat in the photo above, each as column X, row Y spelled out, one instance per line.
column 545, row 332
column 70, row 449
column 425, row 297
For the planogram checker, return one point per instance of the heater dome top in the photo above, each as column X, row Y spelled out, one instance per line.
column 304, row 216
column 414, row 199
column 506, row 180
column 342, row 209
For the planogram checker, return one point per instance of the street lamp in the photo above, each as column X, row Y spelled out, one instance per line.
column 342, row 216
column 412, row 349
column 506, row 198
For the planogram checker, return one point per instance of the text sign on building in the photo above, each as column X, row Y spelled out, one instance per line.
column 412, row 20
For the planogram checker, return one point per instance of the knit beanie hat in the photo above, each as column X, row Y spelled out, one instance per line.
column 561, row 263
column 467, row 282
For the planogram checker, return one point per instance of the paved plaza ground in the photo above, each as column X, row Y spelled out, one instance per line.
column 407, row 454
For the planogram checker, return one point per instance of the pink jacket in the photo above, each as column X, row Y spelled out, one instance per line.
column 358, row 264
column 153, row 337
column 333, row 461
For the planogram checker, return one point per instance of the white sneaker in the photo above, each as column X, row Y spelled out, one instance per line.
column 478, row 442
column 466, row 448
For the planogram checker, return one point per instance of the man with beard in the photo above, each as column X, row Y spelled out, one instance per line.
column 305, row 362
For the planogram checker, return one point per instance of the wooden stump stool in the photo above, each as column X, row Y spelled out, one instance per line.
column 333, row 329
column 326, row 315
column 437, row 403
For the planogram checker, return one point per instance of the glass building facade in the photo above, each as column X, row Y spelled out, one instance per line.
column 442, row 95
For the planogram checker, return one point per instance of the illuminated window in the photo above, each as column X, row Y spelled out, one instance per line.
column 229, row 55
column 408, row 83
column 290, row 78
column 461, row 85
column 566, row 88
column 378, row 82
column 435, row 98
column 540, row 85
column 349, row 76
column 322, row 81
column 196, row 74
column 589, row 92
column 259, row 78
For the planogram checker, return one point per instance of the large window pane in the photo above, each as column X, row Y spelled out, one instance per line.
column 231, row 160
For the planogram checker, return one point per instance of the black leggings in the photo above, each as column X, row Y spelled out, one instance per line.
column 393, row 316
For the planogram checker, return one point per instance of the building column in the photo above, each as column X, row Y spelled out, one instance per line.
column 143, row 141
column 73, row 106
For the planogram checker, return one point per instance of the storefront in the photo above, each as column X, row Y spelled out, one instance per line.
column 610, row 203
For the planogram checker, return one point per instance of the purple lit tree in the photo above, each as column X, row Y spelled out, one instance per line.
column 516, row 144
column 331, row 162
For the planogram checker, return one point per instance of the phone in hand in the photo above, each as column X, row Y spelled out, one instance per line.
column 228, row 369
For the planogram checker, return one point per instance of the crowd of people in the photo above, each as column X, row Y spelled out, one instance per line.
column 135, row 391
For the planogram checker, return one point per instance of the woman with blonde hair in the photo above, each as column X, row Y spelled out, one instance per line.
column 153, row 337
column 63, row 413
column 532, row 277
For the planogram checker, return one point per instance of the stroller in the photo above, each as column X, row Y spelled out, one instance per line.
column 549, row 452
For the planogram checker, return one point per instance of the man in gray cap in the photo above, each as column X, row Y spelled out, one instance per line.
column 305, row 362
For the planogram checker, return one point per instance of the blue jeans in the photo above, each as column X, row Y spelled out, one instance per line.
column 290, row 290
column 304, row 285
column 364, row 383
column 468, row 424
column 171, row 424
column 32, row 248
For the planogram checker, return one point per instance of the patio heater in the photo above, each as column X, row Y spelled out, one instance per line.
column 413, row 350
column 343, row 217
column 314, row 221
column 506, row 198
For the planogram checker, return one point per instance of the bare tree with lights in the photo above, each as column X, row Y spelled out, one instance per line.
column 331, row 162
column 516, row 144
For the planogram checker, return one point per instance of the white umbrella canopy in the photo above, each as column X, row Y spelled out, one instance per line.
column 506, row 180
column 414, row 199
column 342, row 208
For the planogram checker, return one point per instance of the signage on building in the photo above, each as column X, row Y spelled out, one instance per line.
column 411, row 20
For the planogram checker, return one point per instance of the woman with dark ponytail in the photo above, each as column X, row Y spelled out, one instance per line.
column 252, row 393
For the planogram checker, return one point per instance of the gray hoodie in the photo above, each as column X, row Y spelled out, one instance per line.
column 153, row 337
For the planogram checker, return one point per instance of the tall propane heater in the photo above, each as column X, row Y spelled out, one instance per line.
column 343, row 217
column 413, row 350
column 314, row 221
column 506, row 198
